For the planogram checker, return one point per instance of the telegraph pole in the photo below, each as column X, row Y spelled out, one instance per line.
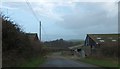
column 40, row 31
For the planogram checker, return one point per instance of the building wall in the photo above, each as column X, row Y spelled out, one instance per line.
column 87, row 50
column 89, row 41
column 90, row 46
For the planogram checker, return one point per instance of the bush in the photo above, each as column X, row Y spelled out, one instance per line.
column 109, row 51
column 16, row 45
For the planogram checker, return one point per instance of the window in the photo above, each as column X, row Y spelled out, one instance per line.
column 114, row 40
column 102, row 41
column 98, row 38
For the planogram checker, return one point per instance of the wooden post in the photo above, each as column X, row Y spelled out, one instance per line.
column 40, row 31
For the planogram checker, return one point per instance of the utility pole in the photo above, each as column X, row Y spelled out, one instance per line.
column 40, row 31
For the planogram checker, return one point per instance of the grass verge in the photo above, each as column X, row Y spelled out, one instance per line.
column 34, row 62
column 100, row 62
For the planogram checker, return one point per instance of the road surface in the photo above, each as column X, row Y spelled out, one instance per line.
column 59, row 61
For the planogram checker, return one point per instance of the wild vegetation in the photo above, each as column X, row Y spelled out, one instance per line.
column 104, row 56
column 100, row 62
column 17, row 48
column 104, row 52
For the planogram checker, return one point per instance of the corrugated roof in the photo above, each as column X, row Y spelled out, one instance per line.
column 76, row 47
column 104, row 37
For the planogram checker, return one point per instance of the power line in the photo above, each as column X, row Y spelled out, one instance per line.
column 30, row 7
column 28, row 3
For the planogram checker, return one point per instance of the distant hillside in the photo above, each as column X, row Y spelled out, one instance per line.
column 75, row 40
column 63, row 43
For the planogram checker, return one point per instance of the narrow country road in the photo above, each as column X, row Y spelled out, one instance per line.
column 56, row 60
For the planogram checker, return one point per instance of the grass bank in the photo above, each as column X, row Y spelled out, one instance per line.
column 100, row 62
column 34, row 62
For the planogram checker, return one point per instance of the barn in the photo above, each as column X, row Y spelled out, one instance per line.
column 33, row 36
column 94, row 42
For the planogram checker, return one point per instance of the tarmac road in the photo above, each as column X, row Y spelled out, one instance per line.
column 60, row 61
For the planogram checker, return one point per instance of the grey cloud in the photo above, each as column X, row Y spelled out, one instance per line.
column 90, row 22
column 19, row 5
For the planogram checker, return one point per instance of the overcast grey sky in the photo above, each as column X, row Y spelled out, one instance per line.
column 67, row 19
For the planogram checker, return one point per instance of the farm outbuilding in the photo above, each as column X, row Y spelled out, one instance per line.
column 77, row 50
column 94, row 42
column 33, row 36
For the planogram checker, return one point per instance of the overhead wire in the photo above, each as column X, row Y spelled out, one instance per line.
column 29, row 5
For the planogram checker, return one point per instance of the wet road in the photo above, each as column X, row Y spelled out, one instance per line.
column 59, row 61
column 62, row 62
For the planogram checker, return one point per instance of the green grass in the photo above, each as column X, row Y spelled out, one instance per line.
column 100, row 62
column 34, row 62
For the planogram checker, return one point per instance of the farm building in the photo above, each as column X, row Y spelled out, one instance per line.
column 33, row 36
column 77, row 50
column 94, row 42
